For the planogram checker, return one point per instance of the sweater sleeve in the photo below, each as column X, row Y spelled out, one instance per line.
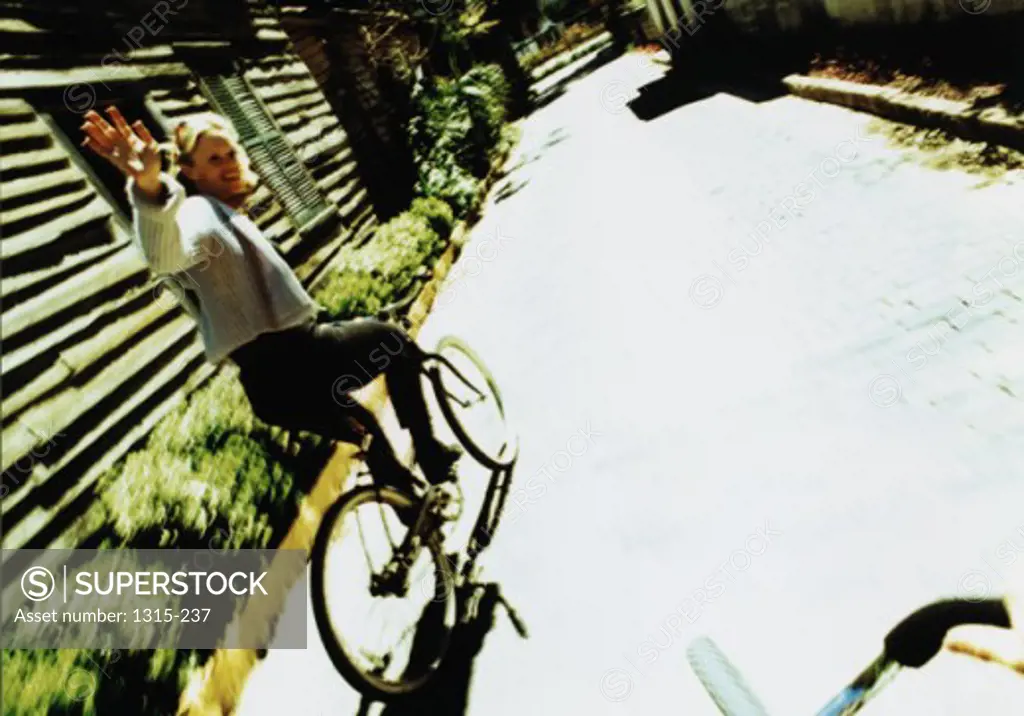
column 158, row 230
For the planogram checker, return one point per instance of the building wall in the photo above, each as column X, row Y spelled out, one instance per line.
column 94, row 353
column 793, row 15
column 371, row 102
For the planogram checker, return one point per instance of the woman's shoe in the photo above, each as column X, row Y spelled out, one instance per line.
column 439, row 463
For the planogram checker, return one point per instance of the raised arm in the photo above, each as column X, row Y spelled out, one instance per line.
column 155, row 197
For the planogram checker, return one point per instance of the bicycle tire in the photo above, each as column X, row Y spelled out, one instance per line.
column 366, row 684
column 507, row 454
column 722, row 680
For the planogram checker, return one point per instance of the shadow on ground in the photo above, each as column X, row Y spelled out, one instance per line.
column 675, row 90
column 510, row 186
column 447, row 693
column 588, row 65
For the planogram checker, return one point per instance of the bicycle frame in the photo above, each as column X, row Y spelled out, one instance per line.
column 911, row 643
column 394, row 574
column 865, row 687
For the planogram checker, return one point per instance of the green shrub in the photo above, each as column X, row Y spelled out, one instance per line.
column 442, row 177
column 81, row 682
column 438, row 214
column 455, row 131
column 209, row 468
column 441, row 123
column 380, row 271
column 487, row 94
column 350, row 293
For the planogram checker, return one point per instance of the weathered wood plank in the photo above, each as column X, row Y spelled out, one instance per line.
column 13, row 82
column 24, row 130
column 280, row 230
column 56, row 414
column 54, row 230
column 287, row 88
column 28, row 214
column 18, row 535
column 12, row 360
column 83, row 355
column 284, row 66
column 334, row 179
column 312, row 127
column 79, row 531
column 321, row 258
column 283, row 108
column 341, row 195
column 271, row 216
column 24, row 160
column 12, row 285
column 119, row 267
column 357, row 200
column 17, row 188
column 174, row 106
column 293, row 122
column 335, row 160
column 321, row 149
column 15, row 110
column 268, row 35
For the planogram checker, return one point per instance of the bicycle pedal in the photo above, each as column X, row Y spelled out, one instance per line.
column 446, row 501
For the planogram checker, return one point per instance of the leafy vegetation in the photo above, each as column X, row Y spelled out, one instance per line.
column 80, row 682
column 210, row 475
column 455, row 132
column 570, row 39
column 380, row 272
column 438, row 214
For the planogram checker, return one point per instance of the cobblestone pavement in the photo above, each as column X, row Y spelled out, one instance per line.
column 796, row 353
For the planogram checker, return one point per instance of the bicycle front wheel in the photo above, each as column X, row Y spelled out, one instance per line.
column 471, row 403
column 386, row 638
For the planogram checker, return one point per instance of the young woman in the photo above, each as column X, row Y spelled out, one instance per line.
column 250, row 306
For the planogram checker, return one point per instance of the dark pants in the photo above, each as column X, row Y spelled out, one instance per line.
column 302, row 378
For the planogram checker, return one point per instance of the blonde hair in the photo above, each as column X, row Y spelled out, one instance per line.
column 190, row 130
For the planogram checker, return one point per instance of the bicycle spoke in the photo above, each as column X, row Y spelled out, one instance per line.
column 465, row 403
column 362, row 541
column 387, row 530
column 461, row 377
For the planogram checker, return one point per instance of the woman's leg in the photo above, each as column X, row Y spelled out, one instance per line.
column 284, row 376
column 359, row 351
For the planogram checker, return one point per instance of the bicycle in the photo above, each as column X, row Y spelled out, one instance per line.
column 486, row 438
column 910, row 644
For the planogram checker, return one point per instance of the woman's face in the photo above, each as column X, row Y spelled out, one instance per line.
column 220, row 168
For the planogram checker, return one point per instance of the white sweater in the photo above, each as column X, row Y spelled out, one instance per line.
column 201, row 259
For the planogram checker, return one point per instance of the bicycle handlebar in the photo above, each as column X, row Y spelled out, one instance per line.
column 916, row 639
column 388, row 312
column 912, row 643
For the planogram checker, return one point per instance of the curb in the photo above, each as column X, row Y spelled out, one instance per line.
column 216, row 689
column 958, row 117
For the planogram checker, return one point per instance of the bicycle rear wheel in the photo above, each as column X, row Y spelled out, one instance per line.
column 471, row 403
column 385, row 643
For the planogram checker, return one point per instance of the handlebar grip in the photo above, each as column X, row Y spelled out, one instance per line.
column 916, row 639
